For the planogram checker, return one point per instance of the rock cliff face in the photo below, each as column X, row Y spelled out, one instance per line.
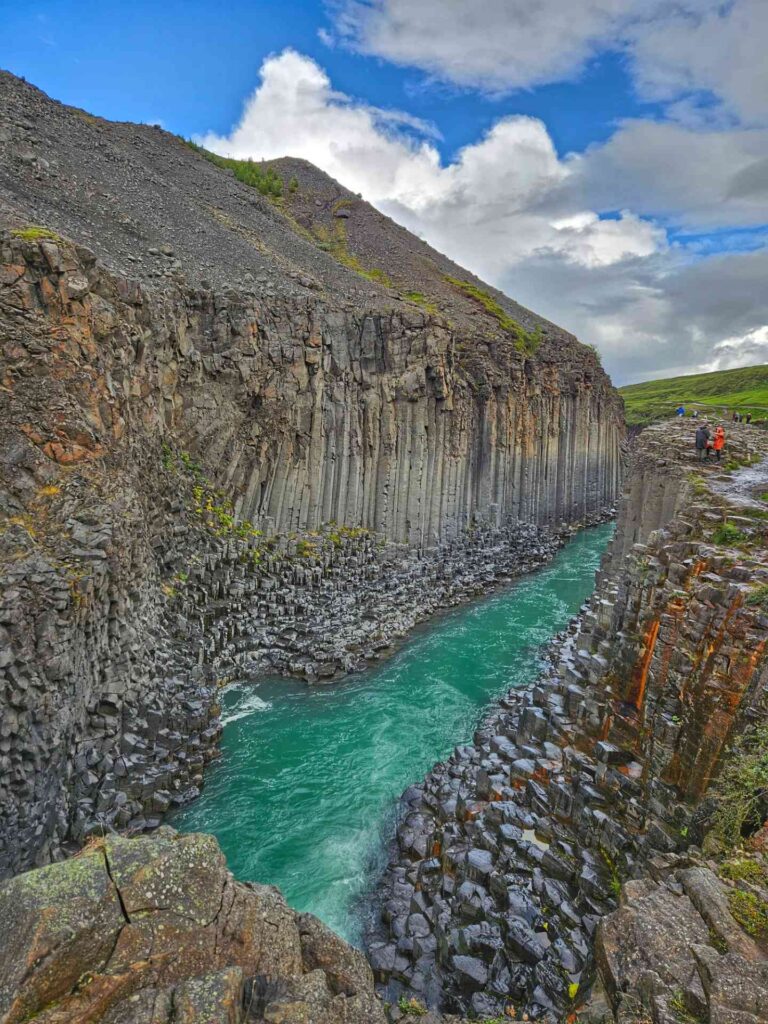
column 217, row 431
column 511, row 852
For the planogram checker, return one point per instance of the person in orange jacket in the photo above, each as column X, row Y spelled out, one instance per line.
column 719, row 441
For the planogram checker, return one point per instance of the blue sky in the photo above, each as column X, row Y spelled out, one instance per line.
column 600, row 160
column 184, row 64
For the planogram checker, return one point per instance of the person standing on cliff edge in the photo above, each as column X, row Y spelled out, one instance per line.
column 702, row 440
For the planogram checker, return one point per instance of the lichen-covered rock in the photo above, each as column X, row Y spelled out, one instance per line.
column 155, row 929
column 672, row 951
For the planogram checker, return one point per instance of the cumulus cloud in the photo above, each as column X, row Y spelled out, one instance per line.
column 675, row 48
column 533, row 223
column 500, row 200
column 690, row 177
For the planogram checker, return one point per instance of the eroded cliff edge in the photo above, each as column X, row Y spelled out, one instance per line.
column 224, row 448
column 511, row 854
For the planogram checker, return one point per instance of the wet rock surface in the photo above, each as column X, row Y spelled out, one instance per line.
column 511, row 853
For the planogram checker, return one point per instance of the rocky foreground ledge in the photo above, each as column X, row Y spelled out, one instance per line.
column 511, row 855
column 155, row 930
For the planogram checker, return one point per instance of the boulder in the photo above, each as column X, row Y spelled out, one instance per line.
column 154, row 930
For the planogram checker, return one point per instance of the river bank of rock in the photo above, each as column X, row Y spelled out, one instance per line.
column 223, row 451
column 510, row 853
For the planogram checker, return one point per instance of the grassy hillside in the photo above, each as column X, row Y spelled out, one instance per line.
column 717, row 393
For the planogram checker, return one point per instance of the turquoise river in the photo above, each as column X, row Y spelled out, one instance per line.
column 305, row 793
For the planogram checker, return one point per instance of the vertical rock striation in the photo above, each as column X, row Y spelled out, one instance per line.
column 510, row 852
column 214, row 434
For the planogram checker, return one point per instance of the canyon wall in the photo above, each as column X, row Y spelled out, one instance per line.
column 182, row 467
column 227, row 446
column 510, row 853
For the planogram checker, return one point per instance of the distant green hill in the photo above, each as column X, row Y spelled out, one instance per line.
column 715, row 393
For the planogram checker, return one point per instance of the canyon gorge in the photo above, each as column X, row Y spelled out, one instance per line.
column 246, row 435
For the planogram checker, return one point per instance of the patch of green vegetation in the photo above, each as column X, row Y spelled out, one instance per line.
column 717, row 941
column 759, row 596
column 293, row 184
column 681, row 1011
column 594, row 350
column 420, row 299
column 411, row 1007
column 33, row 232
column 217, row 514
column 615, row 882
column 743, row 869
column 338, row 533
column 336, row 244
column 525, row 341
column 257, row 174
column 741, row 792
column 727, row 533
column 750, row 911
column 214, row 510
column 716, row 394
column 698, row 484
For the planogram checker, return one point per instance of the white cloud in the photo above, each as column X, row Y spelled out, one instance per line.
column 745, row 350
column 691, row 177
column 509, row 208
column 675, row 50
column 720, row 50
column 500, row 44
column 500, row 200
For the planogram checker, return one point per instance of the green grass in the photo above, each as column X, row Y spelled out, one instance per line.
column 33, row 232
column 740, row 791
column 745, row 389
column 525, row 341
column 411, row 1007
column 335, row 242
column 420, row 299
column 750, row 911
column 727, row 533
column 256, row 174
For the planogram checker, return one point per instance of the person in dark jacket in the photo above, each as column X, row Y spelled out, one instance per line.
column 703, row 438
